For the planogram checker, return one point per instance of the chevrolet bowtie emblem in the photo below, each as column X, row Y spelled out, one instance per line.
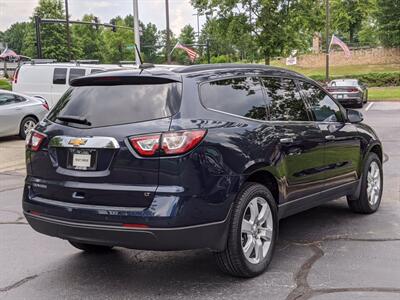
column 77, row 142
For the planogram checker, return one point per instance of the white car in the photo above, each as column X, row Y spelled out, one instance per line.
column 19, row 113
column 51, row 80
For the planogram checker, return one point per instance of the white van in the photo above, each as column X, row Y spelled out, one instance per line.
column 51, row 80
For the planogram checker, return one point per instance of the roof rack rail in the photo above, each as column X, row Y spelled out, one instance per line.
column 85, row 61
column 42, row 61
column 126, row 62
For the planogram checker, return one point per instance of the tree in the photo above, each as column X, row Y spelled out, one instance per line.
column 348, row 17
column 150, row 42
column 54, row 36
column 118, row 44
column 88, row 39
column 388, row 17
column 274, row 24
column 14, row 36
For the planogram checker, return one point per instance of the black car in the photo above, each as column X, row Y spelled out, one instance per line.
column 349, row 92
column 207, row 156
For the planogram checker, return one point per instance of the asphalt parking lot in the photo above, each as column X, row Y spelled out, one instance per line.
column 324, row 253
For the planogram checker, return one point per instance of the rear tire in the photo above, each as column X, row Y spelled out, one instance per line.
column 256, row 238
column 27, row 125
column 371, row 187
column 90, row 248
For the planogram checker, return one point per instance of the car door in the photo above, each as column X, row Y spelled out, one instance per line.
column 10, row 113
column 300, row 140
column 342, row 145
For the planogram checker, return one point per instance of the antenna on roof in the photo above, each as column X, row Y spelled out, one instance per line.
column 139, row 61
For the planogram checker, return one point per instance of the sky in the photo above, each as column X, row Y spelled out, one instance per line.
column 181, row 12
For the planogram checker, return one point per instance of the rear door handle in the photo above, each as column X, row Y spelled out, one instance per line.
column 330, row 137
column 287, row 140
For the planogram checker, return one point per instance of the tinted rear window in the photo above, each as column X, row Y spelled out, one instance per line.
column 118, row 104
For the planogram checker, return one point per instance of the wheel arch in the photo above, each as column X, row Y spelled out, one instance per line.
column 266, row 178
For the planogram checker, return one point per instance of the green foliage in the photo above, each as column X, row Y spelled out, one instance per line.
column 118, row 45
column 271, row 27
column 54, row 37
column 348, row 17
column 5, row 84
column 388, row 17
column 88, row 40
column 14, row 36
column 220, row 59
column 371, row 79
column 149, row 42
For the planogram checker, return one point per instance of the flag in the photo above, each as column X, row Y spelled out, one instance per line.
column 7, row 53
column 336, row 41
column 190, row 52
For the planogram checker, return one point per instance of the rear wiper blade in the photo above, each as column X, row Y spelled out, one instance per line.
column 74, row 119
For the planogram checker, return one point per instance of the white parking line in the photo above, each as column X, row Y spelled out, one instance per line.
column 369, row 106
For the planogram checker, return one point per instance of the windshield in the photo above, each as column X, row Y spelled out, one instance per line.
column 118, row 104
column 344, row 83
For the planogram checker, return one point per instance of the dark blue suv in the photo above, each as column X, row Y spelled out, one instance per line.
column 208, row 156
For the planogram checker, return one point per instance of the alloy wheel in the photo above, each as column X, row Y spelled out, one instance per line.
column 28, row 126
column 256, row 230
column 374, row 183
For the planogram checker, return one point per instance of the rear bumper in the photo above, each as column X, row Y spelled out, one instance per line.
column 211, row 235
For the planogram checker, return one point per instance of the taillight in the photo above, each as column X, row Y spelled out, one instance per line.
column 146, row 145
column 352, row 90
column 181, row 141
column 45, row 105
column 34, row 140
column 167, row 143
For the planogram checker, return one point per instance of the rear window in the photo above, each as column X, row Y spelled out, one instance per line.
column 117, row 104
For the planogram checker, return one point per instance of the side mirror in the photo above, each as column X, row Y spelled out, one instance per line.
column 354, row 116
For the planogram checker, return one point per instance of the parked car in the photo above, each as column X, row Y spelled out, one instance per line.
column 51, row 80
column 349, row 92
column 19, row 114
column 207, row 156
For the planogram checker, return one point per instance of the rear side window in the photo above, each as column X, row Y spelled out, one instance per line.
column 239, row 96
column 283, row 100
column 75, row 73
column 322, row 106
column 118, row 104
column 60, row 76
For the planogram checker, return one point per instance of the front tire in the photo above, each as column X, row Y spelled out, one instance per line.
column 371, row 187
column 252, row 234
column 90, row 248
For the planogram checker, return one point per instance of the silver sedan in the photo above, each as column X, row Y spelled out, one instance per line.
column 19, row 114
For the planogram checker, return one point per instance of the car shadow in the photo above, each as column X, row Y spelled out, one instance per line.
column 10, row 138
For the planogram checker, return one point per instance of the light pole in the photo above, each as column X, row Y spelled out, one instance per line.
column 198, row 25
column 167, row 46
column 68, row 33
column 136, row 30
column 327, row 33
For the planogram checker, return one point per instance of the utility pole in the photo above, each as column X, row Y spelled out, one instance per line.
column 327, row 33
column 198, row 25
column 38, row 37
column 167, row 46
column 68, row 33
column 136, row 30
